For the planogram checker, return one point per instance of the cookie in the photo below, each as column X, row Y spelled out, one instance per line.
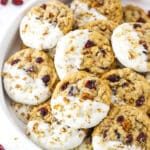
column 22, row 111
column 45, row 24
column 126, row 128
column 29, row 77
column 133, row 13
column 48, row 133
column 81, row 100
column 86, row 145
column 90, row 10
column 104, row 27
column 133, row 50
column 83, row 50
column 147, row 76
column 128, row 87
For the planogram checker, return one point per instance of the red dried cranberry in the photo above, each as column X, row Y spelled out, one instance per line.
column 4, row 2
column 137, row 26
column 90, row 84
column 129, row 139
column 105, row 133
column 1, row 147
column 113, row 78
column 141, row 137
column 46, row 79
column 17, row 2
column 64, row 86
column 141, row 20
column 15, row 61
column 140, row 101
column 120, row 119
column 39, row 60
column 148, row 14
column 43, row 111
column 89, row 44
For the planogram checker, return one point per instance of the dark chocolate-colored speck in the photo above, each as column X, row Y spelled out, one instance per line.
column 126, row 84
column 136, row 26
column 39, row 60
column 145, row 46
column 113, row 78
column 140, row 101
column 64, row 86
column 100, row 2
column 145, row 52
column 43, row 111
column 105, row 134
column 129, row 139
column 120, row 119
column 141, row 20
column 46, row 79
column 148, row 14
column 141, row 137
column 43, row 6
column 31, row 69
column 89, row 44
column 90, row 84
column 71, row 91
column 15, row 61
column 148, row 113
column 117, row 134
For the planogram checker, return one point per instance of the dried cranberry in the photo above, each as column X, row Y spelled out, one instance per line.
column 113, row 78
column 17, row 2
column 137, row 26
column 90, row 84
column 129, row 139
column 46, row 79
column 140, row 101
column 15, row 61
column 141, row 20
column 4, row 2
column 31, row 69
column 141, row 137
column 89, row 44
column 71, row 91
column 43, row 111
column 43, row 6
column 120, row 119
column 39, row 60
column 1, row 147
column 125, row 84
column 148, row 14
column 105, row 134
column 64, row 86
column 145, row 46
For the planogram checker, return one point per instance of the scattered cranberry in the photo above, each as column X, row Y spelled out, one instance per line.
column 140, row 101
column 148, row 14
column 113, row 78
column 4, row 2
column 141, row 20
column 141, row 137
column 120, row 119
column 89, row 44
column 43, row 111
column 46, row 79
column 39, row 60
column 1, row 147
column 64, row 86
column 90, row 84
column 105, row 134
column 15, row 61
column 129, row 139
column 137, row 26
column 17, row 2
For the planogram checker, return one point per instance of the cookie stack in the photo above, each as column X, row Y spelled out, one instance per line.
column 81, row 79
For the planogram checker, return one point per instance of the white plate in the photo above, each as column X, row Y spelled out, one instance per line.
column 9, row 44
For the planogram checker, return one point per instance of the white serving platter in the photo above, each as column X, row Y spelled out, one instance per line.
column 10, row 43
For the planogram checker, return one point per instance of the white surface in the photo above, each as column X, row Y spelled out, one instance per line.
column 10, row 134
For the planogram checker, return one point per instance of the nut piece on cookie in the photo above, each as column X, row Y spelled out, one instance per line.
column 125, row 128
column 81, row 100
column 131, row 45
column 29, row 77
column 45, row 24
column 83, row 50
column 86, row 11
column 47, row 132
